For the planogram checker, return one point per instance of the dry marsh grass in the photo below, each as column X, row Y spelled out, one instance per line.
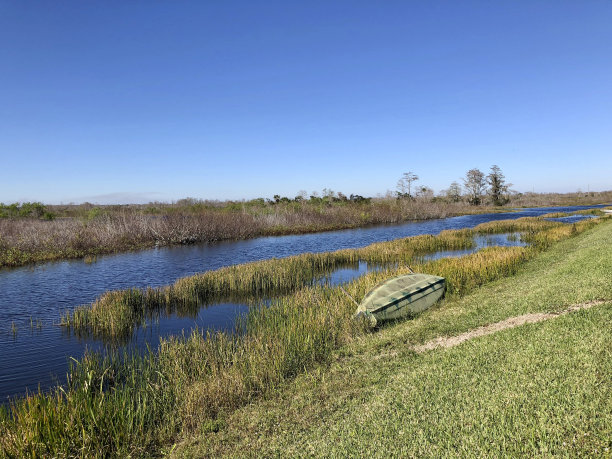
column 88, row 233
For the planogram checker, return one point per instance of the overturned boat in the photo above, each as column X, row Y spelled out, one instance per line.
column 401, row 296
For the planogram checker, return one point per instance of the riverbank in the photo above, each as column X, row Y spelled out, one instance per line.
column 538, row 389
column 88, row 231
column 119, row 406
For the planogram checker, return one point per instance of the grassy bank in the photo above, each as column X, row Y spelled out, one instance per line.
column 135, row 406
column 536, row 390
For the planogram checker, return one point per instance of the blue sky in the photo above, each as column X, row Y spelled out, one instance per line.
column 132, row 101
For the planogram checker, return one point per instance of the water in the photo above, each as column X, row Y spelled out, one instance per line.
column 571, row 218
column 490, row 240
column 30, row 356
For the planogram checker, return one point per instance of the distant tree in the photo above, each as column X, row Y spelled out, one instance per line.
column 315, row 198
column 475, row 186
column 281, row 199
column 328, row 193
column 454, row 192
column 359, row 199
column 257, row 202
column 185, row 202
column 498, row 189
column 404, row 185
column 25, row 209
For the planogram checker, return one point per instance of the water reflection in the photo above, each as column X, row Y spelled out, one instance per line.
column 489, row 240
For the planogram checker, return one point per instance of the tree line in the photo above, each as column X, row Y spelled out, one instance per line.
column 26, row 209
column 477, row 188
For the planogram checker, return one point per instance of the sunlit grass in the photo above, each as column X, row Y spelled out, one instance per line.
column 533, row 391
column 537, row 390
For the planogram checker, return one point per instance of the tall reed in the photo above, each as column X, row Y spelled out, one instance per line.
column 115, row 314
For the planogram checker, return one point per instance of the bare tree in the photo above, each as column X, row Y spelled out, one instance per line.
column 404, row 185
column 475, row 186
column 498, row 189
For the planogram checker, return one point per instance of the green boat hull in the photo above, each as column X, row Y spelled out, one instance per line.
column 401, row 296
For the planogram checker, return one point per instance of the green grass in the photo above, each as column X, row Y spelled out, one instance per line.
column 120, row 406
column 537, row 390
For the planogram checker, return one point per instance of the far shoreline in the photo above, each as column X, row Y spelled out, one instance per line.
column 87, row 231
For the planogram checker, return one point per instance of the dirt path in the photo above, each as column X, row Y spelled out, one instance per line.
column 503, row 325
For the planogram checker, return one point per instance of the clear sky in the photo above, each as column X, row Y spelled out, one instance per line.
column 132, row 101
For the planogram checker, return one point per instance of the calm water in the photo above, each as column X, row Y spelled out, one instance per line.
column 32, row 355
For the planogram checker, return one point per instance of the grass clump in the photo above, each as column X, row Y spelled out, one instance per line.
column 107, row 407
column 115, row 314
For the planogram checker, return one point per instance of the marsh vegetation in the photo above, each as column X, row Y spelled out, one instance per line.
column 118, row 405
